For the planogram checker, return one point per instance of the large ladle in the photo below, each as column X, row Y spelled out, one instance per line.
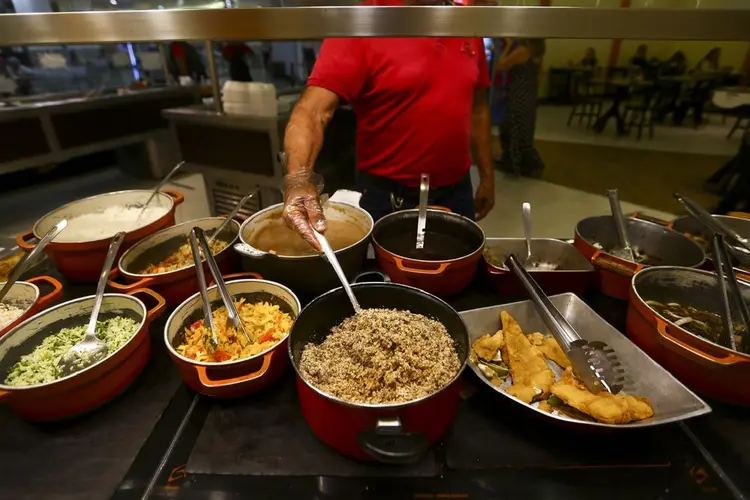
column 331, row 257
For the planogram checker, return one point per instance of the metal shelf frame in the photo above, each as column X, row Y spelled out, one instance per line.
column 311, row 23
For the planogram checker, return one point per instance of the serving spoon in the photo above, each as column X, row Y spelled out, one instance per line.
column 331, row 257
column 91, row 349
column 424, row 192
column 623, row 250
column 215, row 232
column 157, row 189
column 29, row 258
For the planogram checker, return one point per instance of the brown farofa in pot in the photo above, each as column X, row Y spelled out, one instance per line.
column 382, row 356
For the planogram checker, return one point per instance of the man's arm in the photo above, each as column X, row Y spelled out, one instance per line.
column 518, row 55
column 481, row 149
column 302, row 142
column 304, row 132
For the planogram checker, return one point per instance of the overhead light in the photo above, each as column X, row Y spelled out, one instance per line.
column 160, row 7
column 113, row 2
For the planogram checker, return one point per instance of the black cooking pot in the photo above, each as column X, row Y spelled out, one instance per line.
column 396, row 433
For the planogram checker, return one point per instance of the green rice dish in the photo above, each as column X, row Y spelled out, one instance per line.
column 40, row 365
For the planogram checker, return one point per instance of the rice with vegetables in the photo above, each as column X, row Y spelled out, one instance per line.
column 382, row 356
column 40, row 365
column 266, row 325
column 183, row 257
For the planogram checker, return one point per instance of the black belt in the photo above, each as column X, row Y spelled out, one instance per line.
column 406, row 192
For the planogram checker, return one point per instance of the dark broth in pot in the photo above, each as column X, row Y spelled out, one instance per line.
column 278, row 238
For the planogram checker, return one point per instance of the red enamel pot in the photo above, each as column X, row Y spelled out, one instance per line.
column 82, row 261
column 664, row 246
column 391, row 433
column 233, row 378
column 91, row 387
column 450, row 257
column 175, row 286
column 702, row 365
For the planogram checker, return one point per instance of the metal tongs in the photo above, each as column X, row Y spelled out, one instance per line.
column 726, row 276
column 197, row 243
column 737, row 245
column 594, row 363
column 424, row 191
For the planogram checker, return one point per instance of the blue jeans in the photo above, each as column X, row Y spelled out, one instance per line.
column 377, row 193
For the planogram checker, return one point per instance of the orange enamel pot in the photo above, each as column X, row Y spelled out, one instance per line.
column 704, row 366
column 175, row 286
column 93, row 386
column 82, row 261
column 27, row 296
column 450, row 258
column 664, row 245
column 233, row 378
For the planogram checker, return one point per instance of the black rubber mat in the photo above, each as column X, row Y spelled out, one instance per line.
column 266, row 434
column 523, row 438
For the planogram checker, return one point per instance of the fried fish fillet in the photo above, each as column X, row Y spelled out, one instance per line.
column 532, row 377
column 604, row 407
column 550, row 348
column 486, row 346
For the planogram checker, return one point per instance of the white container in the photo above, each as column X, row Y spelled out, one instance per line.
column 250, row 98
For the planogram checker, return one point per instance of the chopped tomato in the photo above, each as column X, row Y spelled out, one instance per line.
column 196, row 325
column 220, row 356
column 266, row 337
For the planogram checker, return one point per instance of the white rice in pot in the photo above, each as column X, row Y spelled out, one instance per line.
column 108, row 222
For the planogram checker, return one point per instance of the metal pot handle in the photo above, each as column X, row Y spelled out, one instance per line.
column 389, row 443
column 360, row 278
column 678, row 346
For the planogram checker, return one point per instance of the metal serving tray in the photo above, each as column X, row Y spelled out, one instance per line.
column 574, row 273
column 672, row 401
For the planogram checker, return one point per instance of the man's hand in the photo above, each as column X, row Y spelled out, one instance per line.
column 302, row 210
column 484, row 199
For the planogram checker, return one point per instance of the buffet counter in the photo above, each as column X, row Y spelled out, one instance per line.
column 159, row 439
column 41, row 132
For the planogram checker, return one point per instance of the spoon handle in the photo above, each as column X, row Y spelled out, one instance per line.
column 29, row 258
column 114, row 246
column 424, row 192
column 622, row 231
column 331, row 256
column 526, row 211
column 231, row 216
column 160, row 185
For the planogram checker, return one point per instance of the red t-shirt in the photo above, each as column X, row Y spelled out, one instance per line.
column 412, row 98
